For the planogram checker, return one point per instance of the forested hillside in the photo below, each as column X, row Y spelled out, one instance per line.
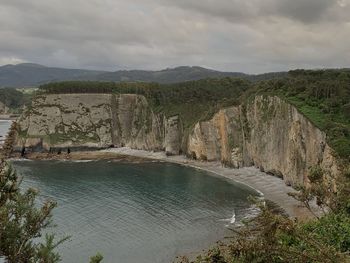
column 13, row 99
column 31, row 75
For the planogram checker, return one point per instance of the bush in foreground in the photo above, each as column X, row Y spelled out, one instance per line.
column 275, row 238
column 21, row 222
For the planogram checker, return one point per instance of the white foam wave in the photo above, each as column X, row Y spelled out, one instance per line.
column 231, row 220
column 20, row 160
column 82, row 161
column 70, row 161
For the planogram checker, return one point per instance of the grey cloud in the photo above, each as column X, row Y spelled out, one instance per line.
column 237, row 35
column 306, row 11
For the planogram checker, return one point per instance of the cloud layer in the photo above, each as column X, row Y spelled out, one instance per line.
column 234, row 35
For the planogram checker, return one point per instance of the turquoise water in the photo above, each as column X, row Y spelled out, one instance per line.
column 148, row 212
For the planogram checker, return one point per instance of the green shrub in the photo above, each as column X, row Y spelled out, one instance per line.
column 331, row 229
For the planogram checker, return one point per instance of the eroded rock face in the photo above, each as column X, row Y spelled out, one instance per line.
column 95, row 121
column 173, row 135
column 268, row 133
column 282, row 141
column 218, row 138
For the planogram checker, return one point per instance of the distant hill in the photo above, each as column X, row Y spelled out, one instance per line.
column 29, row 75
column 171, row 75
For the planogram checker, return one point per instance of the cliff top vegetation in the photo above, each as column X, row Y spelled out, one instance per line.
column 13, row 98
column 323, row 96
column 192, row 100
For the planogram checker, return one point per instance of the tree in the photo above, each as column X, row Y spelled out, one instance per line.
column 22, row 221
column 7, row 148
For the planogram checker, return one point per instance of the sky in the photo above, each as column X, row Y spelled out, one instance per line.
column 252, row 36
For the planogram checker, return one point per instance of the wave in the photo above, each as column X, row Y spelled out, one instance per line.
column 82, row 161
column 231, row 220
column 249, row 213
column 19, row 160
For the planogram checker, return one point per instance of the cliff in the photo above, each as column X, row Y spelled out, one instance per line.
column 59, row 122
column 266, row 132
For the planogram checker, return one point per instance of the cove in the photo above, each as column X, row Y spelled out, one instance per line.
column 135, row 212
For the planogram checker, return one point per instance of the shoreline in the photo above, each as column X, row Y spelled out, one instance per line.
column 8, row 118
column 269, row 187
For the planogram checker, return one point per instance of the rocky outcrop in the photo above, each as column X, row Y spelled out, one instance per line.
column 218, row 138
column 3, row 108
column 173, row 135
column 96, row 121
column 266, row 132
column 282, row 141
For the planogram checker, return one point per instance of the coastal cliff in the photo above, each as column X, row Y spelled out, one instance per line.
column 265, row 131
column 95, row 121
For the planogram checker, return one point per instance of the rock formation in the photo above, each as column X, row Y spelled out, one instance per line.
column 81, row 121
column 266, row 132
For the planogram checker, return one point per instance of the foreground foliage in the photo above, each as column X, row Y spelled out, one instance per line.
column 22, row 222
column 275, row 238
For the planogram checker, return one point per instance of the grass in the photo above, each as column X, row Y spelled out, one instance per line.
column 314, row 114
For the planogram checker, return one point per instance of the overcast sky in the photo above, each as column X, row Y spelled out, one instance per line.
column 252, row 36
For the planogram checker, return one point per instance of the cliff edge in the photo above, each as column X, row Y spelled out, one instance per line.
column 268, row 133
column 264, row 131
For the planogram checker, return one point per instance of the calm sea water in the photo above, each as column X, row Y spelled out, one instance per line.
column 148, row 212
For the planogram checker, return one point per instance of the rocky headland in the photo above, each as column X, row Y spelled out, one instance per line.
column 264, row 131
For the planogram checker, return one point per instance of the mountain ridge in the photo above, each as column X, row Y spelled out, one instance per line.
column 31, row 75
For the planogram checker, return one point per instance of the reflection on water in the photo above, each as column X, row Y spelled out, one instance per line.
column 135, row 212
